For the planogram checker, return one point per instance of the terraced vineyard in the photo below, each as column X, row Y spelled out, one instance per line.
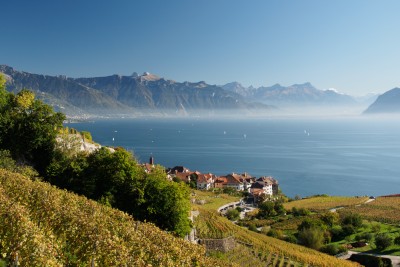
column 44, row 226
column 269, row 250
column 383, row 209
column 323, row 203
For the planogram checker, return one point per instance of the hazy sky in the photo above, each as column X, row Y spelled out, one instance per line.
column 349, row 45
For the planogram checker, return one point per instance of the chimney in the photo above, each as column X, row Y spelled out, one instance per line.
column 151, row 161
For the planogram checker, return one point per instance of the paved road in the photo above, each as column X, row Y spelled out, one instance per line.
column 395, row 259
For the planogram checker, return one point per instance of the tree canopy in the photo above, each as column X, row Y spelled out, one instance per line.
column 116, row 179
column 29, row 128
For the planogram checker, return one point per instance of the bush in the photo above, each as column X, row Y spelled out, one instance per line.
column 348, row 229
column 353, row 219
column 253, row 228
column 397, row 240
column 336, row 233
column 230, row 191
column 87, row 136
column 364, row 237
column 300, row 212
column 239, row 209
column 311, row 223
column 6, row 162
column 275, row 233
column 290, row 239
column 342, row 249
column 376, row 227
column 266, row 209
column 312, row 238
column 331, row 249
column 383, row 241
column 233, row 214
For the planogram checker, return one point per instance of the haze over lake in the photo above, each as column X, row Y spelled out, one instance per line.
column 346, row 156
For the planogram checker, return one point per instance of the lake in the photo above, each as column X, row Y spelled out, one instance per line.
column 335, row 156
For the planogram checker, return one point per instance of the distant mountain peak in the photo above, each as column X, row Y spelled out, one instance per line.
column 389, row 102
column 303, row 85
column 147, row 76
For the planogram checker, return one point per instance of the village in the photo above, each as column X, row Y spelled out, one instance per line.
column 258, row 188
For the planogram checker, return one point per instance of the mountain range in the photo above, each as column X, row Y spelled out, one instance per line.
column 133, row 95
column 129, row 95
column 298, row 94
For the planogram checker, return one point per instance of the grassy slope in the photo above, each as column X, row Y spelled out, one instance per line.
column 46, row 226
column 210, row 224
column 325, row 202
column 383, row 209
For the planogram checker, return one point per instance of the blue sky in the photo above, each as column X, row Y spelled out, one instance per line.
column 352, row 46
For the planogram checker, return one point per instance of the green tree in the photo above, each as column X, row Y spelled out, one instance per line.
column 266, row 209
column 330, row 218
column 232, row 214
column 116, row 179
column 165, row 203
column 308, row 223
column 29, row 128
column 279, row 209
column 311, row 237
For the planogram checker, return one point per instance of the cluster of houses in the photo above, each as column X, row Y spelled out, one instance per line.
column 206, row 181
column 240, row 182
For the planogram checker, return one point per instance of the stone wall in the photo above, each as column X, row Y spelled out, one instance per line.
column 224, row 245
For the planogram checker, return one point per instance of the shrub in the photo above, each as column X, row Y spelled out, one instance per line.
column 376, row 227
column 300, row 211
column 232, row 214
column 311, row 223
column 348, row 229
column 312, row 238
column 290, row 239
column 364, row 237
column 87, row 135
column 253, row 228
column 336, row 233
column 331, row 249
column 353, row 219
column 397, row 240
column 275, row 233
column 383, row 241
column 330, row 218
column 239, row 209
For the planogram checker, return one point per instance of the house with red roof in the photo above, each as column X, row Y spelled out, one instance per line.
column 234, row 181
column 205, row 181
column 268, row 184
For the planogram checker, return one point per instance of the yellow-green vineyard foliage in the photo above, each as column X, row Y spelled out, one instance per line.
column 44, row 226
column 210, row 225
column 322, row 203
column 383, row 209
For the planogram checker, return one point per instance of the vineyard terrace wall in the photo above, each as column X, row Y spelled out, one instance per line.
column 223, row 245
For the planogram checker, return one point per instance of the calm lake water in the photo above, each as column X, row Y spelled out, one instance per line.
column 356, row 156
